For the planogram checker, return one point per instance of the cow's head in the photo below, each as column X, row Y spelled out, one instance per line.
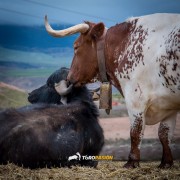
column 84, row 66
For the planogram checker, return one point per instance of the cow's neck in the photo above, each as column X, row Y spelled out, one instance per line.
column 115, row 43
column 101, row 58
column 105, row 71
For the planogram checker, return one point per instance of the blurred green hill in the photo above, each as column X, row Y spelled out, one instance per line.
column 11, row 96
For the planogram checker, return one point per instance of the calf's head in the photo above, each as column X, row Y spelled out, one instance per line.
column 56, row 91
column 84, row 66
column 44, row 94
column 47, row 93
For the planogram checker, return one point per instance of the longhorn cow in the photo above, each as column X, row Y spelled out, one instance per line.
column 142, row 60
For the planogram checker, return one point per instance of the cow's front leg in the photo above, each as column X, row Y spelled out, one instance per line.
column 165, row 132
column 136, row 134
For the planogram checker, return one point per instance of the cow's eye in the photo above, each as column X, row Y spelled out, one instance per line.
column 75, row 49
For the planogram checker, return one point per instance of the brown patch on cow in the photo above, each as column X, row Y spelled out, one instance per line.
column 116, row 52
column 125, row 52
column 169, row 60
column 167, row 159
column 140, row 90
column 113, row 47
column 169, row 79
column 174, row 66
column 134, row 54
column 136, row 137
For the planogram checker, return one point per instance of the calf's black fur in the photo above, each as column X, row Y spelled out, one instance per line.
column 46, row 133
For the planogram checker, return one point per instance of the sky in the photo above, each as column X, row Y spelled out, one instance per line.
column 32, row 12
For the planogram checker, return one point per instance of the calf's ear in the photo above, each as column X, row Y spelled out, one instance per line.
column 98, row 30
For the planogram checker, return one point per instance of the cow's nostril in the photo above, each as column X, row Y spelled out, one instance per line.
column 68, row 83
column 71, row 80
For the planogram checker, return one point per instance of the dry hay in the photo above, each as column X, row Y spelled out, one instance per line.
column 104, row 170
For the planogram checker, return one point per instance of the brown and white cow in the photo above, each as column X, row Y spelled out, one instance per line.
column 142, row 60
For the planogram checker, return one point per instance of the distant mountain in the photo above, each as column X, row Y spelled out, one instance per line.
column 19, row 63
column 33, row 38
column 29, row 51
column 12, row 64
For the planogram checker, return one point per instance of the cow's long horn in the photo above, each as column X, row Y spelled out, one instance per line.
column 62, row 88
column 82, row 28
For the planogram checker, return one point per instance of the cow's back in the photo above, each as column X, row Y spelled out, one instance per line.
column 148, row 61
column 155, row 47
column 152, row 54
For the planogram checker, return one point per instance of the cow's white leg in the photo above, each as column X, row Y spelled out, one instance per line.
column 165, row 132
column 136, row 134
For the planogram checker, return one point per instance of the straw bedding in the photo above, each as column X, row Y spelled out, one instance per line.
column 104, row 170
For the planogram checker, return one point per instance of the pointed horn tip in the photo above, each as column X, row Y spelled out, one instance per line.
column 45, row 18
column 62, row 82
column 47, row 26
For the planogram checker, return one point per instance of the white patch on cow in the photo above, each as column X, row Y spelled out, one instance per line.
column 159, row 95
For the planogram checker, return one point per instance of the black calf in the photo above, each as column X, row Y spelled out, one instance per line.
column 47, row 134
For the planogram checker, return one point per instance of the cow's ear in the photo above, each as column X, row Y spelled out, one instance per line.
column 98, row 30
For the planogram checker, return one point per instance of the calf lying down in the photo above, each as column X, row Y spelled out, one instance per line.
column 45, row 135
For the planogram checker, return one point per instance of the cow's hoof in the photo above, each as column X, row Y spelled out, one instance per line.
column 131, row 165
column 165, row 165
